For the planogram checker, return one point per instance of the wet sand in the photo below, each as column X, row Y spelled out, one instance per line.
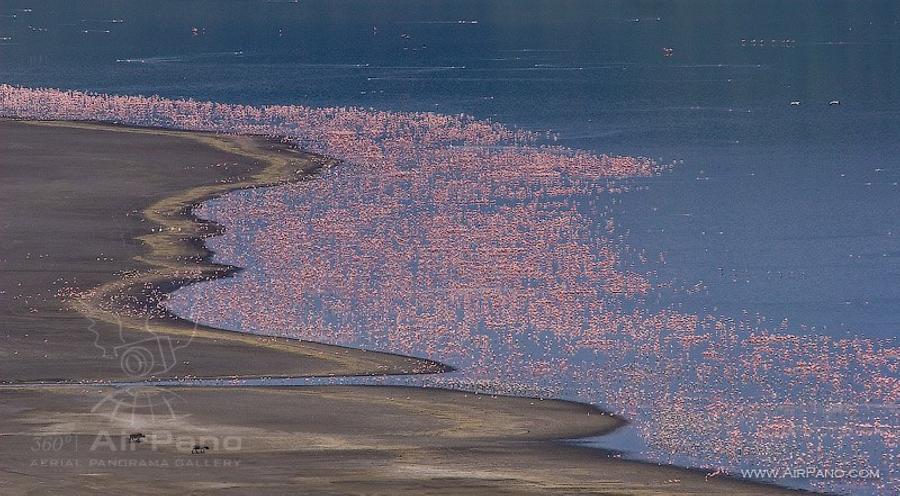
column 85, row 206
column 106, row 209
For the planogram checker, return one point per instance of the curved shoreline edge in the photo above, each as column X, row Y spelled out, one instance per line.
column 178, row 256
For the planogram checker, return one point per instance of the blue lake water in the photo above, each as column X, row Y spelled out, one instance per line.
column 798, row 204
column 787, row 210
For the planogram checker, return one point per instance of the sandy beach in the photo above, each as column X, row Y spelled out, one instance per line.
column 92, row 212
column 97, row 228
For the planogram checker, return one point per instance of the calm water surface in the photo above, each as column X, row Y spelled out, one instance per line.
column 788, row 211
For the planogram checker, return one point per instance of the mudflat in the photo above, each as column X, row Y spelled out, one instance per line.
column 97, row 228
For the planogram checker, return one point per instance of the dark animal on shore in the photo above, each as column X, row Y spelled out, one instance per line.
column 136, row 437
column 199, row 449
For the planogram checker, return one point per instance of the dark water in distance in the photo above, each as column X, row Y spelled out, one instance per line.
column 791, row 211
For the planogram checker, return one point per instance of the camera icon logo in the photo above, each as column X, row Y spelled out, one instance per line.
column 147, row 356
column 153, row 353
column 142, row 358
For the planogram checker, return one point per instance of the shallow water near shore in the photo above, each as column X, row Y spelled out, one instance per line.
column 788, row 212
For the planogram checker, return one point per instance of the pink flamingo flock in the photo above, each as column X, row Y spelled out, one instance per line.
column 469, row 242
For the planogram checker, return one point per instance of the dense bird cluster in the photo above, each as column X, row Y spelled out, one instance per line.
column 518, row 280
column 468, row 242
column 385, row 141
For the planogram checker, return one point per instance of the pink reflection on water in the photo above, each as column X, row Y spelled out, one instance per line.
column 466, row 242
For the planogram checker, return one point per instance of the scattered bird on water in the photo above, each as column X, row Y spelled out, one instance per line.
column 795, row 103
column 834, row 102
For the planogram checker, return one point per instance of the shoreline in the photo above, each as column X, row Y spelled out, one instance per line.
column 177, row 256
column 180, row 244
